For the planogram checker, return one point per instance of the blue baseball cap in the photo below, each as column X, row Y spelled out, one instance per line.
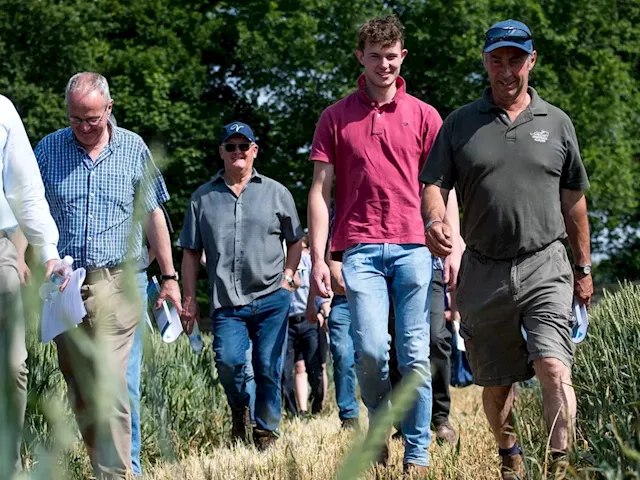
column 237, row 128
column 509, row 33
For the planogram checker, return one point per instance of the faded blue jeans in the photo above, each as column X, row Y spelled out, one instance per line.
column 264, row 321
column 374, row 273
column 342, row 353
column 134, row 365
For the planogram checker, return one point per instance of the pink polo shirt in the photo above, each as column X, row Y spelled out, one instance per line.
column 378, row 153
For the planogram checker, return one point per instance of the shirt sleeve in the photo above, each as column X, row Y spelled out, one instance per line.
column 190, row 234
column 431, row 128
column 24, row 190
column 152, row 190
column 439, row 169
column 289, row 220
column 323, row 147
column 574, row 175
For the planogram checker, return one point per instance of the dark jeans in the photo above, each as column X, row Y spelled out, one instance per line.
column 440, row 353
column 303, row 339
column 264, row 321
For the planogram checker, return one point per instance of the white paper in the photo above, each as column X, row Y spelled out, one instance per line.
column 65, row 310
column 166, row 316
column 459, row 340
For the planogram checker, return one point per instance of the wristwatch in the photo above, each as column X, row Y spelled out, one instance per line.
column 290, row 281
column 173, row 276
column 583, row 269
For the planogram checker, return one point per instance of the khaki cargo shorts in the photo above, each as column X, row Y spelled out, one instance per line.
column 496, row 297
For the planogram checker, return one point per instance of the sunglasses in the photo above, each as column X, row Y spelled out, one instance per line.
column 516, row 35
column 231, row 147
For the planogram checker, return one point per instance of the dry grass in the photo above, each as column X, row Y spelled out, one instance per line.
column 314, row 450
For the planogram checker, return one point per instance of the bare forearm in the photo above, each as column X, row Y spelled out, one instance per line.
column 574, row 211
column 318, row 214
column 434, row 203
column 159, row 241
column 189, row 273
column 20, row 242
column 452, row 216
column 294, row 251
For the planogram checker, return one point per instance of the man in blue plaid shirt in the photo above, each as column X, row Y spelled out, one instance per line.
column 95, row 176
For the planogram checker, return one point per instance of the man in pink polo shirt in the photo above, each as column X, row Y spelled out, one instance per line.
column 375, row 142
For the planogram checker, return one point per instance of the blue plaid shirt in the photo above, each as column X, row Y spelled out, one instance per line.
column 93, row 202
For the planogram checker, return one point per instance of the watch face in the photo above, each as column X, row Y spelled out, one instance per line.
column 586, row 269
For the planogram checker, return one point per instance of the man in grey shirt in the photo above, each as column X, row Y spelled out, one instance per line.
column 240, row 219
column 514, row 158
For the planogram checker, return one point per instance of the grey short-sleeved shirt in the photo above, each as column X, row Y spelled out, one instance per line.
column 509, row 174
column 241, row 236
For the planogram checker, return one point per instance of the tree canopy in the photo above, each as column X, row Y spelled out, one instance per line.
column 179, row 70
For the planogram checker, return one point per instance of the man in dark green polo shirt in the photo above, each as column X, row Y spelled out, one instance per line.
column 514, row 158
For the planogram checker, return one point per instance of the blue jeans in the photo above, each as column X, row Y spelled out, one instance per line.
column 342, row 353
column 134, row 366
column 373, row 273
column 264, row 321
column 250, row 382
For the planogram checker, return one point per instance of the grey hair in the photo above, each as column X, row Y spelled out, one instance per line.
column 87, row 82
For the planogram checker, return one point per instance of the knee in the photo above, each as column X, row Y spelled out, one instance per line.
column 552, row 372
column 229, row 358
column 300, row 368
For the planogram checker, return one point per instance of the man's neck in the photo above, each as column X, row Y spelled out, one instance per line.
column 517, row 106
column 94, row 150
column 379, row 94
column 237, row 179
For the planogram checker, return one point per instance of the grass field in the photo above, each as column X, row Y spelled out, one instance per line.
column 186, row 421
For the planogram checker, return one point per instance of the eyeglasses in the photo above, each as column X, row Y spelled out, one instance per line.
column 516, row 35
column 231, row 147
column 92, row 122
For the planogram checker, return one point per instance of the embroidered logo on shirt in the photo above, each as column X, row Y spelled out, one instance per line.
column 236, row 127
column 540, row 136
column 405, row 124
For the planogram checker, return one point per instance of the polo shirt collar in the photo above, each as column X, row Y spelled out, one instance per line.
column 401, row 85
column 537, row 106
column 255, row 176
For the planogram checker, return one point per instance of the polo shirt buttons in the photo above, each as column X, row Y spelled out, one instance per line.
column 373, row 104
column 379, row 115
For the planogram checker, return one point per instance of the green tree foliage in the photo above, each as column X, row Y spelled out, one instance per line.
column 179, row 70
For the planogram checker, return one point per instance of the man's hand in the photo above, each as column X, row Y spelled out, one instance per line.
column 49, row 268
column 24, row 272
column 321, row 279
column 170, row 290
column 451, row 269
column 583, row 288
column 190, row 314
column 337, row 282
column 439, row 239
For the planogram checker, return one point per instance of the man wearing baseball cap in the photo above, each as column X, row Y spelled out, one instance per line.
column 240, row 219
column 515, row 160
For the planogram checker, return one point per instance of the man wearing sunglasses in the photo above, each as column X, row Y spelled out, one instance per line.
column 515, row 159
column 240, row 219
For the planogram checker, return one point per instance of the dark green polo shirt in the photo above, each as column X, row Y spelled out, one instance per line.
column 242, row 237
column 509, row 175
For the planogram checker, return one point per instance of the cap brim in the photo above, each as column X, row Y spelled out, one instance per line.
column 525, row 47
column 237, row 133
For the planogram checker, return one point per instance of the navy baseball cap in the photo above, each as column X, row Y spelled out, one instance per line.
column 237, row 128
column 509, row 33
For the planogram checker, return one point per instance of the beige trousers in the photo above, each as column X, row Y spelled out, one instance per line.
column 13, row 355
column 93, row 359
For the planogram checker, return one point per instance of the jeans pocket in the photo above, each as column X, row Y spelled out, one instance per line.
column 351, row 249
